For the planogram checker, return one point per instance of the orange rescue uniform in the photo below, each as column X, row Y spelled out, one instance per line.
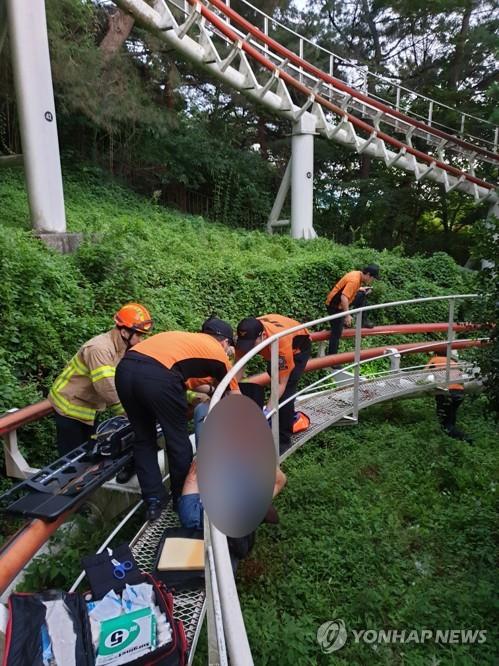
column 440, row 363
column 349, row 285
column 191, row 355
column 274, row 323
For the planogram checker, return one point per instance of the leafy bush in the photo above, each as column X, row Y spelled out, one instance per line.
column 387, row 525
column 183, row 268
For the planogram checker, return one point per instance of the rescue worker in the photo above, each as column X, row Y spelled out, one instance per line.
column 347, row 294
column 86, row 385
column 294, row 352
column 151, row 383
column 448, row 400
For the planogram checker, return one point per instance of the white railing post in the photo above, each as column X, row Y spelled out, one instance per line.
column 430, row 113
column 301, row 56
column 321, row 348
column 217, row 650
column 394, row 356
column 16, row 465
column 356, row 380
column 274, row 392
column 450, row 338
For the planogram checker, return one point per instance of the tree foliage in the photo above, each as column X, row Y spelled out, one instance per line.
column 127, row 104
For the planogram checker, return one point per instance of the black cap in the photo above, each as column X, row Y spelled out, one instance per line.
column 214, row 326
column 372, row 269
column 247, row 332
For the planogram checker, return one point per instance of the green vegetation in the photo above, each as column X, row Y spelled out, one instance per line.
column 182, row 267
column 130, row 105
column 387, row 525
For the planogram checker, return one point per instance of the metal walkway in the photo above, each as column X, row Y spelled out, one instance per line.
column 189, row 604
column 335, row 405
column 325, row 409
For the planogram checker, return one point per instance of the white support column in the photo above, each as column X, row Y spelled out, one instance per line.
column 302, row 178
column 281, row 195
column 35, row 101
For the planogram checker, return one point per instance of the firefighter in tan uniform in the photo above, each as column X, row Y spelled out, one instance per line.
column 86, row 385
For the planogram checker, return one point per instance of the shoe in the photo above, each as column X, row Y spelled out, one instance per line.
column 367, row 323
column 125, row 474
column 154, row 508
column 271, row 517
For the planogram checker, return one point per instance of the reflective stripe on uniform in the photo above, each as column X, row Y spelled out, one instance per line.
column 117, row 409
column 74, row 367
column 102, row 372
column 73, row 411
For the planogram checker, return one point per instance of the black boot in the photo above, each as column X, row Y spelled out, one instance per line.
column 154, row 508
column 125, row 473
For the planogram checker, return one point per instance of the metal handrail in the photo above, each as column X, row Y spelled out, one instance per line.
column 235, row 632
column 422, row 347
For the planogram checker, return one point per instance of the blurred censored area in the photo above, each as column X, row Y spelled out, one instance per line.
column 236, row 465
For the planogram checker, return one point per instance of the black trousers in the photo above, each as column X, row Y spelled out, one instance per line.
column 151, row 393
column 447, row 405
column 71, row 433
column 337, row 324
column 286, row 413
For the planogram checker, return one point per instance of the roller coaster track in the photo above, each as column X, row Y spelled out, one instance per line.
column 233, row 50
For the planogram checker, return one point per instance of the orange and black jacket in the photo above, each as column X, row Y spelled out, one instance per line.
column 349, row 285
column 289, row 345
column 190, row 355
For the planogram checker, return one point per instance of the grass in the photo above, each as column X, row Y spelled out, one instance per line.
column 385, row 525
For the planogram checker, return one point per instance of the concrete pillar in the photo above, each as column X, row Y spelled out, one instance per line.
column 35, row 102
column 302, row 178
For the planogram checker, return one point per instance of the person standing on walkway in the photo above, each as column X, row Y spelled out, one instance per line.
column 86, row 385
column 294, row 352
column 347, row 294
column 151, row 383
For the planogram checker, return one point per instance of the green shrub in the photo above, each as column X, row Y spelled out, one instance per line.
column 183, row 268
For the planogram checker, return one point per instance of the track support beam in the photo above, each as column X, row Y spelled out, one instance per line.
column 35, row 102
column 302, row 178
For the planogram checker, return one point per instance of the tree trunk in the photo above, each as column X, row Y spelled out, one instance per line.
column 456, row 64
column 119, row 27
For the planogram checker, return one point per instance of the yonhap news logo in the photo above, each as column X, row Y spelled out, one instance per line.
column 333, row 635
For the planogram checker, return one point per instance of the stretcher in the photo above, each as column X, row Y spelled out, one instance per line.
column 66, row 482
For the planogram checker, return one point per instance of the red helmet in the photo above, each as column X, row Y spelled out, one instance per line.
column 135, row 317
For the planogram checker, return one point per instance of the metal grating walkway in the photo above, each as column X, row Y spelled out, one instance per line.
column 332, row 406
column 189, row 605
column 324, row 410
